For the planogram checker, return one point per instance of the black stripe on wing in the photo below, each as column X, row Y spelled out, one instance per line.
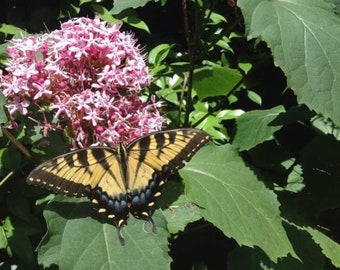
column 74, row 174
column 191, row 140
column 165, row 151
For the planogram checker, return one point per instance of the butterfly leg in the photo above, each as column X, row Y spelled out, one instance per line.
column 152, row 223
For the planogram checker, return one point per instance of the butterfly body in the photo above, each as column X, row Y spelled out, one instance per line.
column 123, row 180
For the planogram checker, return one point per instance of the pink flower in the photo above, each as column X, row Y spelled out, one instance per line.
column 18, row 105
column 88, row 75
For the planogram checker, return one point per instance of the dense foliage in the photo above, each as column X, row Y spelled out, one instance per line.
column 261, row 77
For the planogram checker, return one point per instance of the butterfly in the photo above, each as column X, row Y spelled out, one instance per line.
column 123, row 180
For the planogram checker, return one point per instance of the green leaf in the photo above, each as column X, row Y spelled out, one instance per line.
column 3, row 54
column 257, row 259
column 215, row 81
column 329, row 247
column 71, row 10
column 19, row 243
column 10, row 159
column 326, row 126
column 253, row 127
column 3, row 238
column 337, row 5
column 130, row 17
column 11, row 30
column 308, row 251
column 169, row 95
column 246, row 67
column 231, row 197
column 22, row 247
column 253, row 96
column 217, row 18
column 49, row 147
column 9, row 229
column 309, row 55
column 104, row 14
column 3, row 115
column 82, row 2
column 75, row 240
column 159, row 53
column 295, row 180
column 34, row 134
column 270, row 156
column 293, row 115
column 120, row 5
column 229, row 114
column 179, row 212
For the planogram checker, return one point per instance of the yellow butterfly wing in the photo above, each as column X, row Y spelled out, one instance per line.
column 95, row 172
column 152, row 158
column 77, row 173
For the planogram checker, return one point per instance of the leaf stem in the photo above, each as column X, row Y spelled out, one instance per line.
column 4, row 180
column 18, row 144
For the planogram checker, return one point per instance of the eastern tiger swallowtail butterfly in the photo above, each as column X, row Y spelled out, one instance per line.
column 123, row 180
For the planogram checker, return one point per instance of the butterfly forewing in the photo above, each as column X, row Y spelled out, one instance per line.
column 167, row 148
column 75, row 173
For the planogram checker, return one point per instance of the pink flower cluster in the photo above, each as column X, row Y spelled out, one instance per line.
column 88, row 75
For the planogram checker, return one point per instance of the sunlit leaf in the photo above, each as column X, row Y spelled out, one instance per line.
column 254, row 127
column 309, row 55
column 231, row 197
column 215, row 81
column 74, row 239
column 329, row 247
column 120, row 5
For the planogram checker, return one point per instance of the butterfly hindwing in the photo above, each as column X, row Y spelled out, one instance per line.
column 146, row 186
